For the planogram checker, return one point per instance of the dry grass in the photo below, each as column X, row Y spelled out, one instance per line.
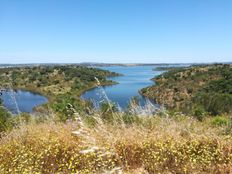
column 50, row 148
column 155, row 145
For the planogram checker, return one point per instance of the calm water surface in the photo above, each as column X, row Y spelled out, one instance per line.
column 21, row 100
column 134, row 78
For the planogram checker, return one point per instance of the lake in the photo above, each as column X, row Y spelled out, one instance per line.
column 134, row 78
column 21, row 101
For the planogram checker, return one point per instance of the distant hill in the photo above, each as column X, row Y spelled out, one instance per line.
column 99, row 64
column 208, row 87
column 93, row 64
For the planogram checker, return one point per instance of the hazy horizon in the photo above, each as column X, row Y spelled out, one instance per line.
column 114, row 63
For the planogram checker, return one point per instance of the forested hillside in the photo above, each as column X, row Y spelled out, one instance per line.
column 62, row 85
column 207, row 88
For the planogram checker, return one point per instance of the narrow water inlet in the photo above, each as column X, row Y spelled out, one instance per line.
column 17, row 101
column 134, row 79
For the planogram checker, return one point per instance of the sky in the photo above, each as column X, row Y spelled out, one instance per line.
column 115, row 31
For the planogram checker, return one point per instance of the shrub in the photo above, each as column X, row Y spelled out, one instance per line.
column 129, row 119
column 108, row 111
column 199, row 113
column 5, row 120
column 219, row 121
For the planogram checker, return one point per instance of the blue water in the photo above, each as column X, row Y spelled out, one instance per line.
column 21, row 100
column 134, row 78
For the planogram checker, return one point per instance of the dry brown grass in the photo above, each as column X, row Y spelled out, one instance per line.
column 155, row 145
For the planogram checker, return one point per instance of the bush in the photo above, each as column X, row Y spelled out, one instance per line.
column 199, row 113
column 220, row 121
column 108, row 111
column 228, row 129
column 5, row 120
column 129, row 119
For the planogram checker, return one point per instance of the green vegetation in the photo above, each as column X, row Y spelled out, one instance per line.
column 220, row 121
column 54, row 80
column 61, row 84
column 5, row 120
column 165, row 68
column 195, row 89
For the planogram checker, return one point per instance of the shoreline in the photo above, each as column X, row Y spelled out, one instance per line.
column 50, row 98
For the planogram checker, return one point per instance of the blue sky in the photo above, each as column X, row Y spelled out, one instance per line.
column 127, row 31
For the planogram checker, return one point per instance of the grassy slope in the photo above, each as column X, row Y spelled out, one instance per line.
column 176, row 144
column 184, row 88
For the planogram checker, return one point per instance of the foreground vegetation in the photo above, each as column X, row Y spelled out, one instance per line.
column 195, row 89
column 161, row 143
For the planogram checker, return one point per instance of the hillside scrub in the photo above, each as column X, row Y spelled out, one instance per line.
column 186, row 89
column 60, row 84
